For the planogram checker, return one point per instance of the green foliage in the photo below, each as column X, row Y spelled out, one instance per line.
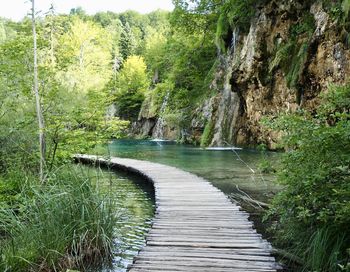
column 2, row 31
column 338, row 10
column 305, row 25
column 281, row 56
column 10, row 188
column 324, row 248
column 193, row 17
column 84, row 56
column 222, row 32
column 69, row 222
column 174, row 119
column 79, row 69
column 132, row 83
column 191, row 59
column 155, row 46
column 298, row 49
column 265, row 165
column 127, row 42
column 315, row 172
column 239, row 13
column 296, row 67
column 346, row 8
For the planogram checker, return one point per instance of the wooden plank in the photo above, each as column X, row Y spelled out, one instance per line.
column 196, row 227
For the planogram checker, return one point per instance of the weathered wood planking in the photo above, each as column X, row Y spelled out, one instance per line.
column 196, row 227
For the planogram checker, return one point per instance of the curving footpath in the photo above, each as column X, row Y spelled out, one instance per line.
column 196, row 227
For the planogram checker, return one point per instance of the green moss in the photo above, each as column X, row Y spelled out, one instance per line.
column 291, row 58
column 292, row 55
column 157, row 96
column 297, row 64
column 281, row 55
column 339, row 11
column 208, row 134
column 222, row 31
column 306, row 25
column 173, row 119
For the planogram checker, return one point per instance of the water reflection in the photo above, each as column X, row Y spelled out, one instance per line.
column 135, row 208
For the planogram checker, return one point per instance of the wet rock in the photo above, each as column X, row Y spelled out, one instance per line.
column 321, row 18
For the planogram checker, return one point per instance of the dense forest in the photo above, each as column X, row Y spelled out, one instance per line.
column 211, row 72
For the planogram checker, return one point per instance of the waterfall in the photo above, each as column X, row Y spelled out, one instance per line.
column 235, row 37
column 111, row 111
column 158, row 131
column 227, row 112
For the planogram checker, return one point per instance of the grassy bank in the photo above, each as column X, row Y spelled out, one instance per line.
column 66, row 223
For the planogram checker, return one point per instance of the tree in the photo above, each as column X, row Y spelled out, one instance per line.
column 2, row 31
column 39, row 112
column 85, row 57
column 132, row 83
column 127, row 41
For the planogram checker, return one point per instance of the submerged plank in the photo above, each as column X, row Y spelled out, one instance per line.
column 196, row 227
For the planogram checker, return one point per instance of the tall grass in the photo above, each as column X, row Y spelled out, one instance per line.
column 324, row 250
column 67, row 223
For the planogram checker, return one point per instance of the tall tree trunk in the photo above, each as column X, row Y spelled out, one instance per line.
column 52, row 55
column 37, row 100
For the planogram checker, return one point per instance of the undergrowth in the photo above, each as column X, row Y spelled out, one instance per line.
column 313, row 210
column 66, row 223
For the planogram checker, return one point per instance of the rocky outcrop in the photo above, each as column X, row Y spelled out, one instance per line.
column 292, row 53
column 260, row 82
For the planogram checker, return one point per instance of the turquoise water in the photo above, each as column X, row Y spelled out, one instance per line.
column 229, row 171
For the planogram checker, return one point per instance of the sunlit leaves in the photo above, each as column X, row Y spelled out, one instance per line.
column 85, row 57
column 132, row 83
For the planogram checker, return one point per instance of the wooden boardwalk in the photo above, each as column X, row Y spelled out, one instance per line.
column 196, row 227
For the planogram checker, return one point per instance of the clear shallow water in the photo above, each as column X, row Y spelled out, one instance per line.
column 223, row 169
column 135, row 209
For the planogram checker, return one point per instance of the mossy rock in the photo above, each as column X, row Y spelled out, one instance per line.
column 208, row 134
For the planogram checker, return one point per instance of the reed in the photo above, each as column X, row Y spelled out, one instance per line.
column 67, row 223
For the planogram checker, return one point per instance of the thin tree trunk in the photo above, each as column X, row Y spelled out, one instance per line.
column 37, row 100
column 52, row 56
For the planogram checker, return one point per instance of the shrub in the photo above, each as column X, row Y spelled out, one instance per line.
column 316, row 174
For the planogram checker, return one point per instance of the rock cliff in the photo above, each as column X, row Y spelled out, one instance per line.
column 292, row 52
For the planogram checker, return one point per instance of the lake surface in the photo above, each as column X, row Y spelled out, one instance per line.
column 224, row 169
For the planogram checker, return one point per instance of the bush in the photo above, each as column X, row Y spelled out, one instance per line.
column 316, row 174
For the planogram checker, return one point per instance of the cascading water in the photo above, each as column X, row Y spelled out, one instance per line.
column 235, row 37
column 228, row 108
column 158, row 131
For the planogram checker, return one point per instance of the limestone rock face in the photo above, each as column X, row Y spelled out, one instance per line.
column 253, row 90
column 257, row 79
